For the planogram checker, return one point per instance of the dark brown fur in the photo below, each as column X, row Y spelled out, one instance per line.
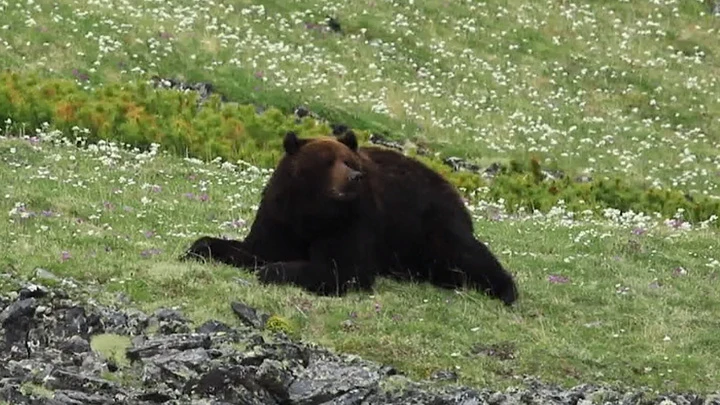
column 335, row 215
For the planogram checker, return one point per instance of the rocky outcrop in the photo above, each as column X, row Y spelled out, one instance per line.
column 56, row 350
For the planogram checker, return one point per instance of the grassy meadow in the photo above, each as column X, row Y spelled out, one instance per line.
column 593, row 88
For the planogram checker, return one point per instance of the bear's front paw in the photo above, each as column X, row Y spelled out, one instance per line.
column 200, row 249
column 509, row 295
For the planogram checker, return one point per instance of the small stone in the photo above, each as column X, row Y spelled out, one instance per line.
column 42, row 309
column 274, row 377
column 496, row 398
column 43, row 274
column 162, row 344
column 348, row 324
column 75, row 344
column 32, row 291
column 212, row 326
column 165, row 314
column 18, row 310
column 250, row 316
column 444, row 375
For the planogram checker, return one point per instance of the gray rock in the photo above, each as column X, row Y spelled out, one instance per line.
column 46, row 339
column 276, row 378
column 164, row 344
column 250, row 316
column 170, row 321
column 32, row 291
column 324, row 380
column 45, row 275
column 75, row 344
column 17, row 311
column 212, row 326
column 81, row 398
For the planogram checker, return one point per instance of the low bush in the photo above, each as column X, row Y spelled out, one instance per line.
column 138, row 114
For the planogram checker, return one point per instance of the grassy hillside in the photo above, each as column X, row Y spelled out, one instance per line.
column 624, row 89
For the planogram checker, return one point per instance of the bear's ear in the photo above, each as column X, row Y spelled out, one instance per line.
column 350, row 140
column 292, row 143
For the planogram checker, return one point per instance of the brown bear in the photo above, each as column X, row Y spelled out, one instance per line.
column 335, row 216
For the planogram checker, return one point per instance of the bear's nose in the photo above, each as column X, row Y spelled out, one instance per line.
column 354, row 175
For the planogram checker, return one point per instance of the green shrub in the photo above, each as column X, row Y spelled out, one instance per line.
column 138, row 114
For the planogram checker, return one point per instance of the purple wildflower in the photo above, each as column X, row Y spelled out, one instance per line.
column 65, row 255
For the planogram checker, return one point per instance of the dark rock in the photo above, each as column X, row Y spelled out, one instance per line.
column 81, row 398
column 323, row 380
column 32, row 291
column 212, row 326
column 203, row 89
column 233, row 384
column 46, row 345
column 164, row 344
column 60, row 379
column 155, row 397
column 333, row 24
column 302, row 111
column 111, row 365
column 275, row 378
column 75, row 344
column 164, row 314
column 378, row 139
column 352, row 397
column 250, row 316
column 493, row 170
column 18, row 311
column 170, row 321
column 460, row 164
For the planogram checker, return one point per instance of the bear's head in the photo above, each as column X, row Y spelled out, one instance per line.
column 330, row 167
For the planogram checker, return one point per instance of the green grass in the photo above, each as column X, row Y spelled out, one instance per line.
column 486, row 81
column 619, row 312
column 606, row 88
